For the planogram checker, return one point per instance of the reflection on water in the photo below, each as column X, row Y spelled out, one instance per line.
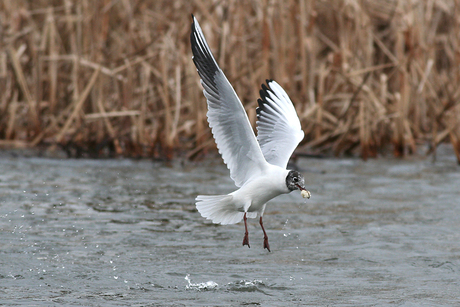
column 106, row 232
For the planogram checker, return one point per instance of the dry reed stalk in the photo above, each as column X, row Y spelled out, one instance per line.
column 303, row 22
column 14, row 144
column 53, row 69
column 50, row 127
column 402, row 91
column 3, row 69
column 312, row 49
column 363, row 131
column 12, row 116
column 103, row 114
column 223, row 37
column 105, row 117
column 265, row 40
column 178, row 90
column 456, row 144
column 5, row 89
column 25, row 88
column 363, row 74
column 141, row 121
column 78, row 105
column 319, row 112
column 163, row 90
column 421, row 122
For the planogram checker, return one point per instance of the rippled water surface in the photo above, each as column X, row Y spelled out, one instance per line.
column 122, row 232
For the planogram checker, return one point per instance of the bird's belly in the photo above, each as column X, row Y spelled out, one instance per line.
column 260, row 199
column 254, row 195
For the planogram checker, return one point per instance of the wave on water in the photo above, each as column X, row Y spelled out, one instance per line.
column 246, row 286
column 209, row 285
column 239, row 286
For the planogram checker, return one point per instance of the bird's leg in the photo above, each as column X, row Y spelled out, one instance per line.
column 246, row 238
column 266, row 245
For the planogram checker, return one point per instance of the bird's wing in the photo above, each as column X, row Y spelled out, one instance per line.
column 278, row 126
column 227, row 118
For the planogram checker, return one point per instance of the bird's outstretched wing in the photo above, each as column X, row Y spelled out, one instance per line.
column 278, row 126
column 227, row 118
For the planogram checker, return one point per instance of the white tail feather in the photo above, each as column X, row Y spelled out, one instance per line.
column 220, row 209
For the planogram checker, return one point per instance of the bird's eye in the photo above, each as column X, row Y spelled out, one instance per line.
column 296, row 179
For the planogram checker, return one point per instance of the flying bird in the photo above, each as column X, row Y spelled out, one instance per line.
column 257, row 164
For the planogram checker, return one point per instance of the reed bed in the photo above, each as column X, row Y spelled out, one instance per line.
column 106, row 78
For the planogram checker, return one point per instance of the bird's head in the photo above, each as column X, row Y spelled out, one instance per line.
column 295, row 181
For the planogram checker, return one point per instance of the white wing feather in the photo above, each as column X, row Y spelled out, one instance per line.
column 278, row 126
column 227, row 118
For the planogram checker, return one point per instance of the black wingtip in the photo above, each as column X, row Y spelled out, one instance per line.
column 264, row 102
column 202, row 56
column 264, row 88
column 193, row 21
column 263, row 94
column 267, row 88
column 259, row 108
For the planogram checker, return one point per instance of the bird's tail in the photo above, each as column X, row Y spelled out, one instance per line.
column 219, row 209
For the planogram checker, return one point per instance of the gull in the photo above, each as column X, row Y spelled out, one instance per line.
column 257, row 164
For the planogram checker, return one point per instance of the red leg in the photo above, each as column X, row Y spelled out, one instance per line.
column 246, row 238
column 266, row 245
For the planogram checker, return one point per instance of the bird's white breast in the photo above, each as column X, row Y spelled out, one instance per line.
column 256, row 192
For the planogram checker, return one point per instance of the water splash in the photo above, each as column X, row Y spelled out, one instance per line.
column 209, row 285
column 284, row 228
column 247, row 286
column 285, row 224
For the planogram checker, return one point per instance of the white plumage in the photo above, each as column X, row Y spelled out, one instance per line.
column 257, row 165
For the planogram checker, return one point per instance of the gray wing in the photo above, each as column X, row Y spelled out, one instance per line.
column 227, row 118
column 278, row 126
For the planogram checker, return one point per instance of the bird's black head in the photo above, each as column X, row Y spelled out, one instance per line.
column 295, row 181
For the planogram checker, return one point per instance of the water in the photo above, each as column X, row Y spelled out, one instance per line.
column 122, row 232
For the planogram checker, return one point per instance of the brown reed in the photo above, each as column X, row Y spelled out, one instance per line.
column 116, row 77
